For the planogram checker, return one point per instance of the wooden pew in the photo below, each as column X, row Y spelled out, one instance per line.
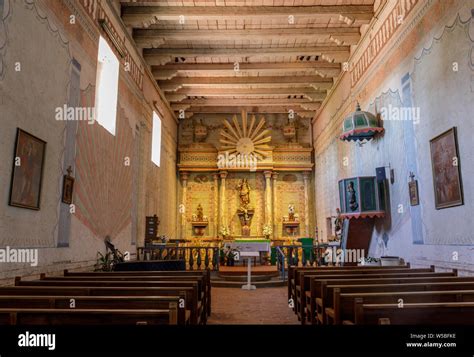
column 98, row 302
column 444, row 313
column 201, row 278
column 206, row 273
column 294, row 277
column 324, row 296
column 12, row 316
column 318, row 305
column 190, row 293
column 344, row 304
column 292, row 270
column 303, row 290
column 107, row 283
column 300, row 273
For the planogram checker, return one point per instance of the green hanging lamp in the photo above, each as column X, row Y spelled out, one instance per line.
column 360, row 126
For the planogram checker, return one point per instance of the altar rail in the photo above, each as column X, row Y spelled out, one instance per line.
column 298, row 255
column 196, row 257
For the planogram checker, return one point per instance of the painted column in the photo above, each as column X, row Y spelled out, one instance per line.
column 275, row 213
column 223, row 218
column 183, row 208
column 306, row 202
column 268, row 197
column 215, row 176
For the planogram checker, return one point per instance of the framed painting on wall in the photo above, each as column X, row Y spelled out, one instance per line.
column 446, row 170
column 413, row 190
column 68, row 187
column 27, row 172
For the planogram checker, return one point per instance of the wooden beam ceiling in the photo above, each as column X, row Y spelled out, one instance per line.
column 315, row 82
column 250, row 109
column 330, row 53
column 135, row 15
column 265, row 59
column 147, row 37
column 307, row 63
column 306, row 92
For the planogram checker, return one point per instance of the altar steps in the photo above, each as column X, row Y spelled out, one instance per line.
column 257, row 270
column 271, row 283
column 237, row 276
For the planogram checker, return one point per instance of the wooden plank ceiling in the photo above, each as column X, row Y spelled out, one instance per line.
column 266, row 56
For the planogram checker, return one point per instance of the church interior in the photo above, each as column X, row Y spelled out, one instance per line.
column 236, row 162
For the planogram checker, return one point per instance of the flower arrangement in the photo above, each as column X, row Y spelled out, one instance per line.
column 225, row 231
column 369, row 261
column 267, row 230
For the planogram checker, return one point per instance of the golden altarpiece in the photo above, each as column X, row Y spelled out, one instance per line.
column 245, row 176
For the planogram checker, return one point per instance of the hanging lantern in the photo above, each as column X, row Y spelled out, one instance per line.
column 360, row 126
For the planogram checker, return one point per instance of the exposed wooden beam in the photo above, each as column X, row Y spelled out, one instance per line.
column 160, row 56
column 249, row 109
column 306, row 92
column 138, row 16
column 169, row 71
column 270, row 102
column 155, row 37
column 315, row 82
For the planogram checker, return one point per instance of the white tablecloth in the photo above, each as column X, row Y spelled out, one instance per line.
column 249, row 247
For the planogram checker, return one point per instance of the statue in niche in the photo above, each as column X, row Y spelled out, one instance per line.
column 338, row 223
column 291, row 212
column 292, row 215
column 244, row 193
column 353, row 205
column 200, row 215
column 244, row 212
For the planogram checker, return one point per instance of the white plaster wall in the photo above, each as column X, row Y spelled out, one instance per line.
column 28, row 99
column 445, row 99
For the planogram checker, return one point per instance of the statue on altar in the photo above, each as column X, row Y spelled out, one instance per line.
column 244, row 193
column 244, row 212
column 199, row 215
column 291, row 222
column 199, row 221
column 292, row 215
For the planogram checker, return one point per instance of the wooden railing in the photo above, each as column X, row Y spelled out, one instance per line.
column 196, row 257
column 202, row 257
column 299, row 255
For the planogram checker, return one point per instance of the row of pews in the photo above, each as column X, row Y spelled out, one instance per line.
column 380, row 295
column 109, row 298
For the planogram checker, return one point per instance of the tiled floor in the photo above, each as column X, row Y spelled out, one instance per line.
column 261, row 306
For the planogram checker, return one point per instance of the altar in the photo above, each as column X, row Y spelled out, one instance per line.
column 249, row 179
column 248, row 245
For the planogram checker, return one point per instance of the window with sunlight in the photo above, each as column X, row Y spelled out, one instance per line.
column 106, row 87
column 156, row 140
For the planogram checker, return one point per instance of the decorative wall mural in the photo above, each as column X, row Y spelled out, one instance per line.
column 4, row 14
column 446, row 170
column 104, row 174
column 28, row 162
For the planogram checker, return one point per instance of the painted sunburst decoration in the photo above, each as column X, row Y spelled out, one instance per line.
column 248, row 139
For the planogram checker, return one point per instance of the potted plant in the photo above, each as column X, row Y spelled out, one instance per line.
column 104, row 262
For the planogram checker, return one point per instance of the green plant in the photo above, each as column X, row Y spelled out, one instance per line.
column 104, row 262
